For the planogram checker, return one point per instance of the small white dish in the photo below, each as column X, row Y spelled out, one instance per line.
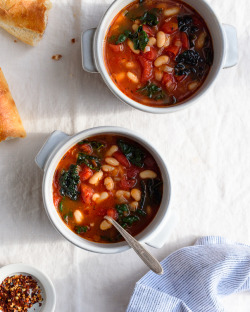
column 47, row 289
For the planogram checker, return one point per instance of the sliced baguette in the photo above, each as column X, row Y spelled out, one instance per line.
column 25, row 19
column 10, row 122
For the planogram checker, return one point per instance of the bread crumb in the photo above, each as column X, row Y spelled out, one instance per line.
column 56, row 57
column 73, row 40
column 15, row 41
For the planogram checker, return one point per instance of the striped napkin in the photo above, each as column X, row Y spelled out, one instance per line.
column 194, row 278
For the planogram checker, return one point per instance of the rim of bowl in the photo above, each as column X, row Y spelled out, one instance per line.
column 49, row 302
column 148, row 233
column 99, row 43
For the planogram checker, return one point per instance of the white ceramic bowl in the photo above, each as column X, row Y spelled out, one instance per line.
column 155, row 234
column 224, row 39
column 47, row 289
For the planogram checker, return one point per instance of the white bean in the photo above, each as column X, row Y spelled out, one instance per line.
column 201, row 41
column 171, row 11
column 193, row 85
column 158, row 75
column 130, row 65
column 112, row 161
column 122, row 193
column 136, row 194
column 151, row 41
column 120, row 76
column 107, row 168
column 161, row 60
column 132, row 77
column 131, row 45
column 109, row 183
column 160, row 39
column 112, row 150
column 167, row 42
column 135, row 27
column 134, row 205
column 96, row 178
column 78, row 216
column 95, row 197
column 167, row 69
column 103, row 196
column 105, row 225
column 148, row 174
column 149, row 210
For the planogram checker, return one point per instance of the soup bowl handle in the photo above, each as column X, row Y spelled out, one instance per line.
column 231, row 46
column 87, row 44
column 49, row 146
column 161, row 237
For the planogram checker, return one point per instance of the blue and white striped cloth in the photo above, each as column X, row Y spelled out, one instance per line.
column 194, row 278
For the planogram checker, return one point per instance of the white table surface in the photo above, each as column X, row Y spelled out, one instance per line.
column 206, row 148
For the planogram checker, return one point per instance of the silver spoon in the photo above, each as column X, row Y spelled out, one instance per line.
column 146, row 257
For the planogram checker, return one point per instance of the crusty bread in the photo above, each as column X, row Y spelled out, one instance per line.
column 10, row 122
column 25, row 19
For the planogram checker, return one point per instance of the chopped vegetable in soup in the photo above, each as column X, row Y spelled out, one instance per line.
column 158, row 52
column 107, row 175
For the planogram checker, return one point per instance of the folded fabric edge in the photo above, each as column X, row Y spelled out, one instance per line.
column 147, row 299
column 216, row 240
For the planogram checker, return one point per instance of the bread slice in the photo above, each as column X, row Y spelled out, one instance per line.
column 10, row 122
column 25, row 19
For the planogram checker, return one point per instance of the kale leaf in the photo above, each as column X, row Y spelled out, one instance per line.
column 132, row 153
column 121, row 209
column 189, row 62
column 152, row 91
column 81, row 229
column 129, row 220
column 69, row 183
column 154, row 187
column 92, row 162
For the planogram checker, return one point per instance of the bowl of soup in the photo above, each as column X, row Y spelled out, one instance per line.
column 105, row 171
column 159, row 56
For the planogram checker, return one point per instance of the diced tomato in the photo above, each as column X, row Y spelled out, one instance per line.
column 169, row 81
column 180, row 78
column 112, row 213
column 56, row 200
column 150, row 55
column 101, row 212
column 85, row 174
column 132, row 172
column 172, row 51
column 171, row 26
column 122, row 159
column 147, row 69
column 185, row 41
column 127, row 184
column 116, row 47
column 86, row 193
column 148, row 30
column 86, row 148
column 149, row 162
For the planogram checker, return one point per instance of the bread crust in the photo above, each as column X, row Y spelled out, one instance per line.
column 25, row 19
column 10, row 122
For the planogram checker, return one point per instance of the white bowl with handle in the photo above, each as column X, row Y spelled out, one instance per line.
column 155, row 234
column 224, row 38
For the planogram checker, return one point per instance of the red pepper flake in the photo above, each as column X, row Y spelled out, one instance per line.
column 56, row 57
column 73, row 40
column 19, row 293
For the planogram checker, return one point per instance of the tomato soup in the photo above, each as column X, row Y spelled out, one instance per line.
column 158, row 53
column 107, row 175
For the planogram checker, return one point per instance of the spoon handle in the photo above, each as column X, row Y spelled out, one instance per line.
column 148, row 259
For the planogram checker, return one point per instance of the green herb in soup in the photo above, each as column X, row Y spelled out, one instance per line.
column 107, row 175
